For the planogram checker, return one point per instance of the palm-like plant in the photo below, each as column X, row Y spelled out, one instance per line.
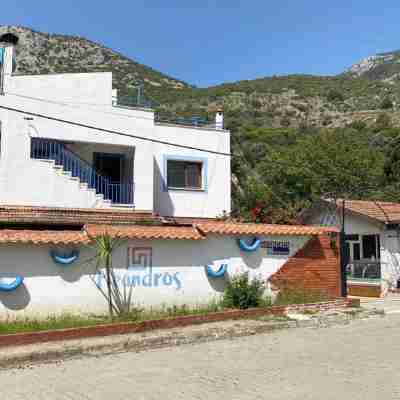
column 119, row 297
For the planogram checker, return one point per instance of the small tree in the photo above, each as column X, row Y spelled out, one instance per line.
column 119, row 299
column 335, row 96
column 386, row 103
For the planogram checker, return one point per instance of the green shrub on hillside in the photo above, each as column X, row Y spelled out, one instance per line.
column 334, row 95
column 386, row 104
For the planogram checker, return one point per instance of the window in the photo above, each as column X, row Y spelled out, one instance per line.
column 184, row 174
column 370, row 246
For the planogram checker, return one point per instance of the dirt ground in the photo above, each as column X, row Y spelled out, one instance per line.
column 355, row 361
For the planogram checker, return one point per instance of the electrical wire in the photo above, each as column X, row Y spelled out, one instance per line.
column 79, row 105
column 124, row 134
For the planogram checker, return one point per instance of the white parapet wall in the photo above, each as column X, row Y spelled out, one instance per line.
column 162, row 272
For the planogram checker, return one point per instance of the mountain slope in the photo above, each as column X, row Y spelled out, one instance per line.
column 286, row 101
column 382, row 66
column 42, row 53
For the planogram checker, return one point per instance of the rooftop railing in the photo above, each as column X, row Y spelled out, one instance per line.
column 135, row 102
column 195, row 120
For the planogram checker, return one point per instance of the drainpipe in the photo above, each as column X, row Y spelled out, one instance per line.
column 342, row 253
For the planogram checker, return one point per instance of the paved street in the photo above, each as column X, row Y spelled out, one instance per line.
column 357, row 361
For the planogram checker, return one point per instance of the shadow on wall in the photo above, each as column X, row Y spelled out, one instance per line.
column 254, row 259
column 218, row 284
column 85, row 265
column 162, row 200
column 16, row 300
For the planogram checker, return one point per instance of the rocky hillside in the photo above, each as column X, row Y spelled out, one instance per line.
column 383, row 66
column 43, row 53
column 361, row 94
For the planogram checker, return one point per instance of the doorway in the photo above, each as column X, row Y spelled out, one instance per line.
column 109, row 165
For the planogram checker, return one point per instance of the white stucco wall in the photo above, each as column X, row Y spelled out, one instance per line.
column 50, row 289
column 86, row 89
column 390, row 258
column 57, row 96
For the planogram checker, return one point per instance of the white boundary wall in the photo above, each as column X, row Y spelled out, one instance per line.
column 177, row 276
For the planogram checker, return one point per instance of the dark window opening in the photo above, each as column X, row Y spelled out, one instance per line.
column 351, row 237
column 356, row 251
column 184, row 174
column 369, row 243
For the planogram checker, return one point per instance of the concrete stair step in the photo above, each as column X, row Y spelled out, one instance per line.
column 82, row 185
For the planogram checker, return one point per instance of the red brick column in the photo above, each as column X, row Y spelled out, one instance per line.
column 315, row 267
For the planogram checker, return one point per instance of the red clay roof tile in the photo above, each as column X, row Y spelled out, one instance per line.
column 71, row 216
column 379, row 210
column 145, row 232
column 43, row 237
column 262, row 229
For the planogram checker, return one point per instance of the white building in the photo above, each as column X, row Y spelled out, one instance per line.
column 65, row 144
column 74, row 164
column 372, row 246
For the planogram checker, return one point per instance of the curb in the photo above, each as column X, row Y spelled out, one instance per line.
column 19, row 339
column 22, row 356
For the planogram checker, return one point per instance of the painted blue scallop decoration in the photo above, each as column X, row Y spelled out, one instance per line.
column 10, row 287
column 219, row 273
column 249, row 246
column 63, row 259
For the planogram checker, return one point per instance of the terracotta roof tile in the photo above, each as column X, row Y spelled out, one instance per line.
column 145, row 232
column 70, row 216
column 43, row 237
column 379, row 210
column 261, row 229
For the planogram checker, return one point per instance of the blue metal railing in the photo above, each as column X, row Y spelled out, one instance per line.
column 120, row 193
column 132, row 101
column 191, row 121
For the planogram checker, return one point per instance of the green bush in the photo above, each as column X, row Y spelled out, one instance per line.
column 383, row 121
column 386, row 103
column 335, row 95
column 358, row 125
column 241, row 292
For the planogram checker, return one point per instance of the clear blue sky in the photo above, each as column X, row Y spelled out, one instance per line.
column 206, row 42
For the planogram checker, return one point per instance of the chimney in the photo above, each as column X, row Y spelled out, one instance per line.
column 219, row 118
column 8, row 42
column 114, row 97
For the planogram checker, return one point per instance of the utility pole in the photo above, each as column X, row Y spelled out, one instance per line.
column 343, row 264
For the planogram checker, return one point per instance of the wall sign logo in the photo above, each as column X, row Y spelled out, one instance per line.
column 141, row 273
column 140, row 258
column 277, row 247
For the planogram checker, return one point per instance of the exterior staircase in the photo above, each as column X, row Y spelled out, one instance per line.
column 70, row 165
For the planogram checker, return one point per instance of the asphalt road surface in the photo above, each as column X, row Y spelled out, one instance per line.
column 357, row 361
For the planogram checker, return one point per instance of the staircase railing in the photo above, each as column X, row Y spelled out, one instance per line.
column 120, row 193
